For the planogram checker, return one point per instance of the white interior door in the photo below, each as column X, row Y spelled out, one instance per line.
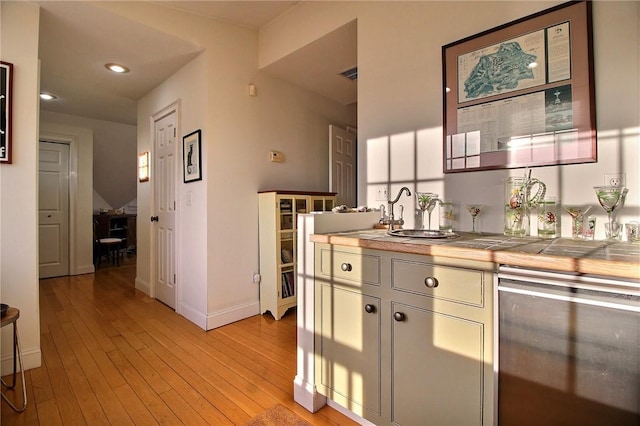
column 53, row 209
column 342, row 163
column 164, row 180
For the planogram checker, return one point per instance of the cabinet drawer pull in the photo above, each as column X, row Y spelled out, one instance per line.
column 369, row 308
column 346, row 267
column 431, row 282
column 399, row 316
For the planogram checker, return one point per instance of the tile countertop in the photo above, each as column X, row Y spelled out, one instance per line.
column 613, row 259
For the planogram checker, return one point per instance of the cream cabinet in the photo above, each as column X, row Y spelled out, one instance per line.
column 278, row 251
column 405, row 339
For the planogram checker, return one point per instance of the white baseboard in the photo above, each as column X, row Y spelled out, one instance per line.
column 305, row 394
column 193, row 315
column 233, row 314
column 143, row 286
column 31, row 358
column 85, row 269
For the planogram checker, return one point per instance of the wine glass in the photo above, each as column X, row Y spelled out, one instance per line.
column 577, row 217
column 426, row 202
column 610, row 198
column 474, row 210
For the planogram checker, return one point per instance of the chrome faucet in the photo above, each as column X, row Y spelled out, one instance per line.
column 391, row 203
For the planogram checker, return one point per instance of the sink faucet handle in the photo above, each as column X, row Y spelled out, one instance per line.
column 401, row 211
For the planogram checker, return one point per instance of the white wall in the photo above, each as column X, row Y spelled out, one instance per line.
column 80, row 191
column 187, row 87
column 114, row 161
column 400, row 102
column 218, row 232
column 18, row 184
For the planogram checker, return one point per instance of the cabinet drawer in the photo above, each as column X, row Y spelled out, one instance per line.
column 449, row 283
column 356, row 268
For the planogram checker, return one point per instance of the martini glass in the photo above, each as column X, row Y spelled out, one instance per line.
column 610, row 198
column 577, row 217
column 474, row 210
column 426, row 202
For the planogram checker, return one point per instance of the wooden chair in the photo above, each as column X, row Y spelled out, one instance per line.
column 105, row 246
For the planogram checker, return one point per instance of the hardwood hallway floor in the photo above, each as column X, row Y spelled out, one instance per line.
column 111, row 355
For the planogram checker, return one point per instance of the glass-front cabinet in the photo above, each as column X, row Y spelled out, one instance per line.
column 278, row 212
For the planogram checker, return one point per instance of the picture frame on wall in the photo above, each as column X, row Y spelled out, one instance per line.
column 192, row 156
column 521, row 94
column 6, row 95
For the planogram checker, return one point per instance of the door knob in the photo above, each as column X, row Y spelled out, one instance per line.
column 154, row 218
column 369, row 308
column 399, row 316
column 346, row 267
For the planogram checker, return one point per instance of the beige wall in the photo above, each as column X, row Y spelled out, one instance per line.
column 217, row 250
column 400, row 100
column 80, row 141
column 114, row 162
column 18, row 183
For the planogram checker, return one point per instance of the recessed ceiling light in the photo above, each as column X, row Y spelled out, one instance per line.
column 117, row 68
column 47, row 96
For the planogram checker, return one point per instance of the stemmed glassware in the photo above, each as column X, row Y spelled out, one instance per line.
column 577, row 219
column 474, row 210
column 610, row 198
column 426, row 202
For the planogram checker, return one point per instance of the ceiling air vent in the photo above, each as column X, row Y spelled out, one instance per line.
column 351, row 73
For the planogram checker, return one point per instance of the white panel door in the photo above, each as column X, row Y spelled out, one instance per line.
column 342, row 163
column 164, row 181
column 53, row 209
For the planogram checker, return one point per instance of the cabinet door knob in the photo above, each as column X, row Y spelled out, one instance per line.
column 369, row 308
column 431, row 282
column 399, row 316
column 154, row 218
column 346, row 267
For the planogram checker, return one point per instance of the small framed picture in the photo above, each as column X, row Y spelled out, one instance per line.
column 6, row 77
column 191, row 157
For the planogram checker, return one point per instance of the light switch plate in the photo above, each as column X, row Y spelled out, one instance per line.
column 381, row 193
column 276, row 156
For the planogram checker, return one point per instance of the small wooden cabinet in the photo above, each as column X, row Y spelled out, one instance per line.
column 404, row 339
column 278, row 212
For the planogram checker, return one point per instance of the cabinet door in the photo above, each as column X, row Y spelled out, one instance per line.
column 348, row 326
column 437, row 368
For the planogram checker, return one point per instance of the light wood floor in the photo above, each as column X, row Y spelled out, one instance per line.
column 111, row 355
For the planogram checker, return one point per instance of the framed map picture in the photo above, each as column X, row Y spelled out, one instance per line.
column 522, row 94
column 6, row 79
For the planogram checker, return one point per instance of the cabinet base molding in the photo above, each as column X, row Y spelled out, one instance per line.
column 306, row 394
column 353, row 416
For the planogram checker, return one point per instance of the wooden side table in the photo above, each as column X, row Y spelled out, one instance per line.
column 12, row 318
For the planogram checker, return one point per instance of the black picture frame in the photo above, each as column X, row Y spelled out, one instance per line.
column 521, row 94
column 6, row 101
column 192, row 156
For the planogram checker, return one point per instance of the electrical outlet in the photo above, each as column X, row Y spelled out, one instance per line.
column 614, row 179
column 381, row 193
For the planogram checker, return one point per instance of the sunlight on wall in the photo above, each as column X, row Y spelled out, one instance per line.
column 411, row 159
